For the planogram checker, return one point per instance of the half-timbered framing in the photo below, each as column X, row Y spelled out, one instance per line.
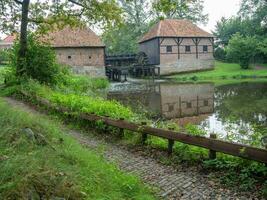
column 178, row 46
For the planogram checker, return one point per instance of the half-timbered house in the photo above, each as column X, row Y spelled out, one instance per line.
column 178, row 46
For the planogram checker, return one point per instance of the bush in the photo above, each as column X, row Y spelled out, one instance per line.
column 4, row 55
column 242, row 49
column 40, row 63
column 220, row 54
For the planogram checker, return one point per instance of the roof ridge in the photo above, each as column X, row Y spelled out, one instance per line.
column 175, row 28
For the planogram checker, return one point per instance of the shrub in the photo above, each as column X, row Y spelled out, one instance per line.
column 40, row 62
column 4, row 55
column 220, row 54
column 242, row 49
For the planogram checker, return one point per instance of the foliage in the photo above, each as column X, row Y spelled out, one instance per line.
column 263, row 47
column 220, row 54
column 78, row 103
column 242, row 49
column 192, row 10
column 4, row 56
column 250, row 22
column 48, row 13
column 247, row 174
column 40, row 62
column 140, row 15
column 61, row 168
column 122, row 39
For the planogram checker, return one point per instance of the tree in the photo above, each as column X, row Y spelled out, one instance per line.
column 242, row 49
column 180, row 9
column 123, row 38
column 255, row 10
column 49, row 12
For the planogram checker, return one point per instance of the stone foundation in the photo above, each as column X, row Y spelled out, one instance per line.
column 186, row 65
column 93, row 71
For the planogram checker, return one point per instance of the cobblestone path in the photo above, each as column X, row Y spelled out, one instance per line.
column 170, row 183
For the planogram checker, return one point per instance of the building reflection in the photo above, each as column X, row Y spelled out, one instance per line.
column 169, row 100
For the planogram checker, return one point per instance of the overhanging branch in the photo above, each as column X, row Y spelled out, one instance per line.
column 18, row 2
column 77, row 3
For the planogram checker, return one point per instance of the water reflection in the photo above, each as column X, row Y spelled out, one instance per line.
column 236, row 112
column 166, row 99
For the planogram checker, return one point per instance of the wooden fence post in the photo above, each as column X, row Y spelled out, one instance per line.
column 144, row 135
column 170, row 143
column 170, row 146
column 212, row 153
column 121, row 131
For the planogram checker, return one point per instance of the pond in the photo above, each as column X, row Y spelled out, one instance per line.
column 236, row 112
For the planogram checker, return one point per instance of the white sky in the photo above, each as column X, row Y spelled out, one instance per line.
column 216, row 9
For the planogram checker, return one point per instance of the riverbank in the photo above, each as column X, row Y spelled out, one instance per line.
column 82, row 96
column 39, row 160
column 224, row 73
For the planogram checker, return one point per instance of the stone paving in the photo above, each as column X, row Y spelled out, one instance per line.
column 169, row 182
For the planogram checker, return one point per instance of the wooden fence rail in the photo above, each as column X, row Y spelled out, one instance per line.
column 213, row 144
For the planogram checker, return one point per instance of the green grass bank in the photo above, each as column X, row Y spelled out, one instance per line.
column 82, row 95
column 49, row 164
column 225, row 73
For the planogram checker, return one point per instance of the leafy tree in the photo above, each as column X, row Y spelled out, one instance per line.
column 62, row 12
column 242, row 49
column 255, row 10
column 263, row 47
column 40, row 61
column 180, row 9
column 4, row 55
column 123, row 37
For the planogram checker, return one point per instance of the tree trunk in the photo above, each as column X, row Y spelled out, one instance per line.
column 23, row 38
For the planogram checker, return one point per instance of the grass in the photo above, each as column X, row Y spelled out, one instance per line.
column 223, row 72
column 57, row 168
column 85, row 99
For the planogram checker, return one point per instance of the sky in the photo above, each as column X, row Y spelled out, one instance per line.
column 216, row 9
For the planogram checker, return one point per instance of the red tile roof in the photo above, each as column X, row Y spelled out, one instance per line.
column 73, row 37
column 175, row 28
column 10, row 38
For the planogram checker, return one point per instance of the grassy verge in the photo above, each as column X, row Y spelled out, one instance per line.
column 51, row 164
column 85, row 99
column 224, row 72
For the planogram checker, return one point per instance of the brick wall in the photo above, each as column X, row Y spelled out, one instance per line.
column 88, row 61
column 172, row 62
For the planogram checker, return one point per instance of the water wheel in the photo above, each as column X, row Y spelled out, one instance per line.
column 141, row 59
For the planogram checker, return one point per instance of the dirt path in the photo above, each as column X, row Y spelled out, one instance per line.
column 172, row 183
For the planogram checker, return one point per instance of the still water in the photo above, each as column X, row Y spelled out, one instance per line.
column 235, row 112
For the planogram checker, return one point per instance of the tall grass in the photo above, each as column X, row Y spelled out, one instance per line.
column 60, row 168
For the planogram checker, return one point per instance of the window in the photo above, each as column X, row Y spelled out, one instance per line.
column 188, row 104
column 171, row 108
column 169, row 49
column 206, row 102
column 69, row 57
column 90, row 57
column 187, row 49
column 205, row 48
